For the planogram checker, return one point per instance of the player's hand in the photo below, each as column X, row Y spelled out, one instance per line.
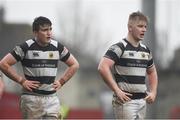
column 123, row 96
column 57, row 85
column 29, row 85
column 150, row 98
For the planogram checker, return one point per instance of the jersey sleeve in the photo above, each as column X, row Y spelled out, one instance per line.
column 19, row 51
column 150, row 60
column 63, row 52
column 114, row 53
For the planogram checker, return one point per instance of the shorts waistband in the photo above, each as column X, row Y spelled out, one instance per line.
column 43, row 92
column 137, row 95
column 39, row 93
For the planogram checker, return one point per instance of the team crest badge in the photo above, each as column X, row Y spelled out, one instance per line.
column 50, row 55
column 143, row 55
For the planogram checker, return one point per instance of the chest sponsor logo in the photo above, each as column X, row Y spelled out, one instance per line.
column 131, row 54
column 35, row 54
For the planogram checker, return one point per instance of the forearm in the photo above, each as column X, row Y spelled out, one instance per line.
column 153, row 83
column 108, row 78
column 12, row 74
column 1, row 87
column 70, row 71
column 153, row 80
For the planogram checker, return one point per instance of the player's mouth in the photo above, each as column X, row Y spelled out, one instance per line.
column 142, row 35
column 48, row 38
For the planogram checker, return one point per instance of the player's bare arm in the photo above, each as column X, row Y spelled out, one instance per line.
column 1, row 87
column 104, row 69
column 153, row 83
column 6, row 66
column 73, row 66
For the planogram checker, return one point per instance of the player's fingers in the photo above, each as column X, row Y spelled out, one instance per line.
column 147, row 97
column 122, row 100
column 127, row 98
column 28, row 88
column 149, row 101
column 56, row 86
column 35, row 86
column 35, row 82
column 128, row 94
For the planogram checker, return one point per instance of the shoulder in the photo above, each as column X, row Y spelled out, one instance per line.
column 119, row 45
column 24, row 46
column 143, row 46
column 29, row 42
column 116, row 49
column 122, row 44
column 56, row 43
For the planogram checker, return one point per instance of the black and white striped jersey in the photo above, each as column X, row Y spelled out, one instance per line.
column 40, row 63
column 130, row 65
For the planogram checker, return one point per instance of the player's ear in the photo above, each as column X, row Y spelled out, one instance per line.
column 34, row 33
column 129, row 27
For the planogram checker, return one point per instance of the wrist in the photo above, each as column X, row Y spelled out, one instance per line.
column 117, row 91
column 62, row 81
column 21, row 80
column 153, row 91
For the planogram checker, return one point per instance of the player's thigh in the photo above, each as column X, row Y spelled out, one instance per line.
column 126, row 110
column 142, row 109
column 30, row 107
column 52, row 106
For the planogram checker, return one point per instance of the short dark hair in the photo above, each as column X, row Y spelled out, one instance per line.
column 40, row 21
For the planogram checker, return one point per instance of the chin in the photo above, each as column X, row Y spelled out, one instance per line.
column 141, row 38
column 48, row 41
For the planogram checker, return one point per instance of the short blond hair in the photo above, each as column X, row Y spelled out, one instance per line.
column 137, row 16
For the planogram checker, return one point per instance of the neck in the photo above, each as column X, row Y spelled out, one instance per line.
column 40, row 43
column 133, row 42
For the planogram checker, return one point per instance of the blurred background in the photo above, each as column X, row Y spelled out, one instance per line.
column 88, row 28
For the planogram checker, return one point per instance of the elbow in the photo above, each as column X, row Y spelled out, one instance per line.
column 2, row 86
column 76, row 66
column 100, row 69
column 3, row 66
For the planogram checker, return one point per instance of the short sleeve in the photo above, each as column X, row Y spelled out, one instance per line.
column 63, row 52
column 19, row 51
column 114, row 53
column 150, row 60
